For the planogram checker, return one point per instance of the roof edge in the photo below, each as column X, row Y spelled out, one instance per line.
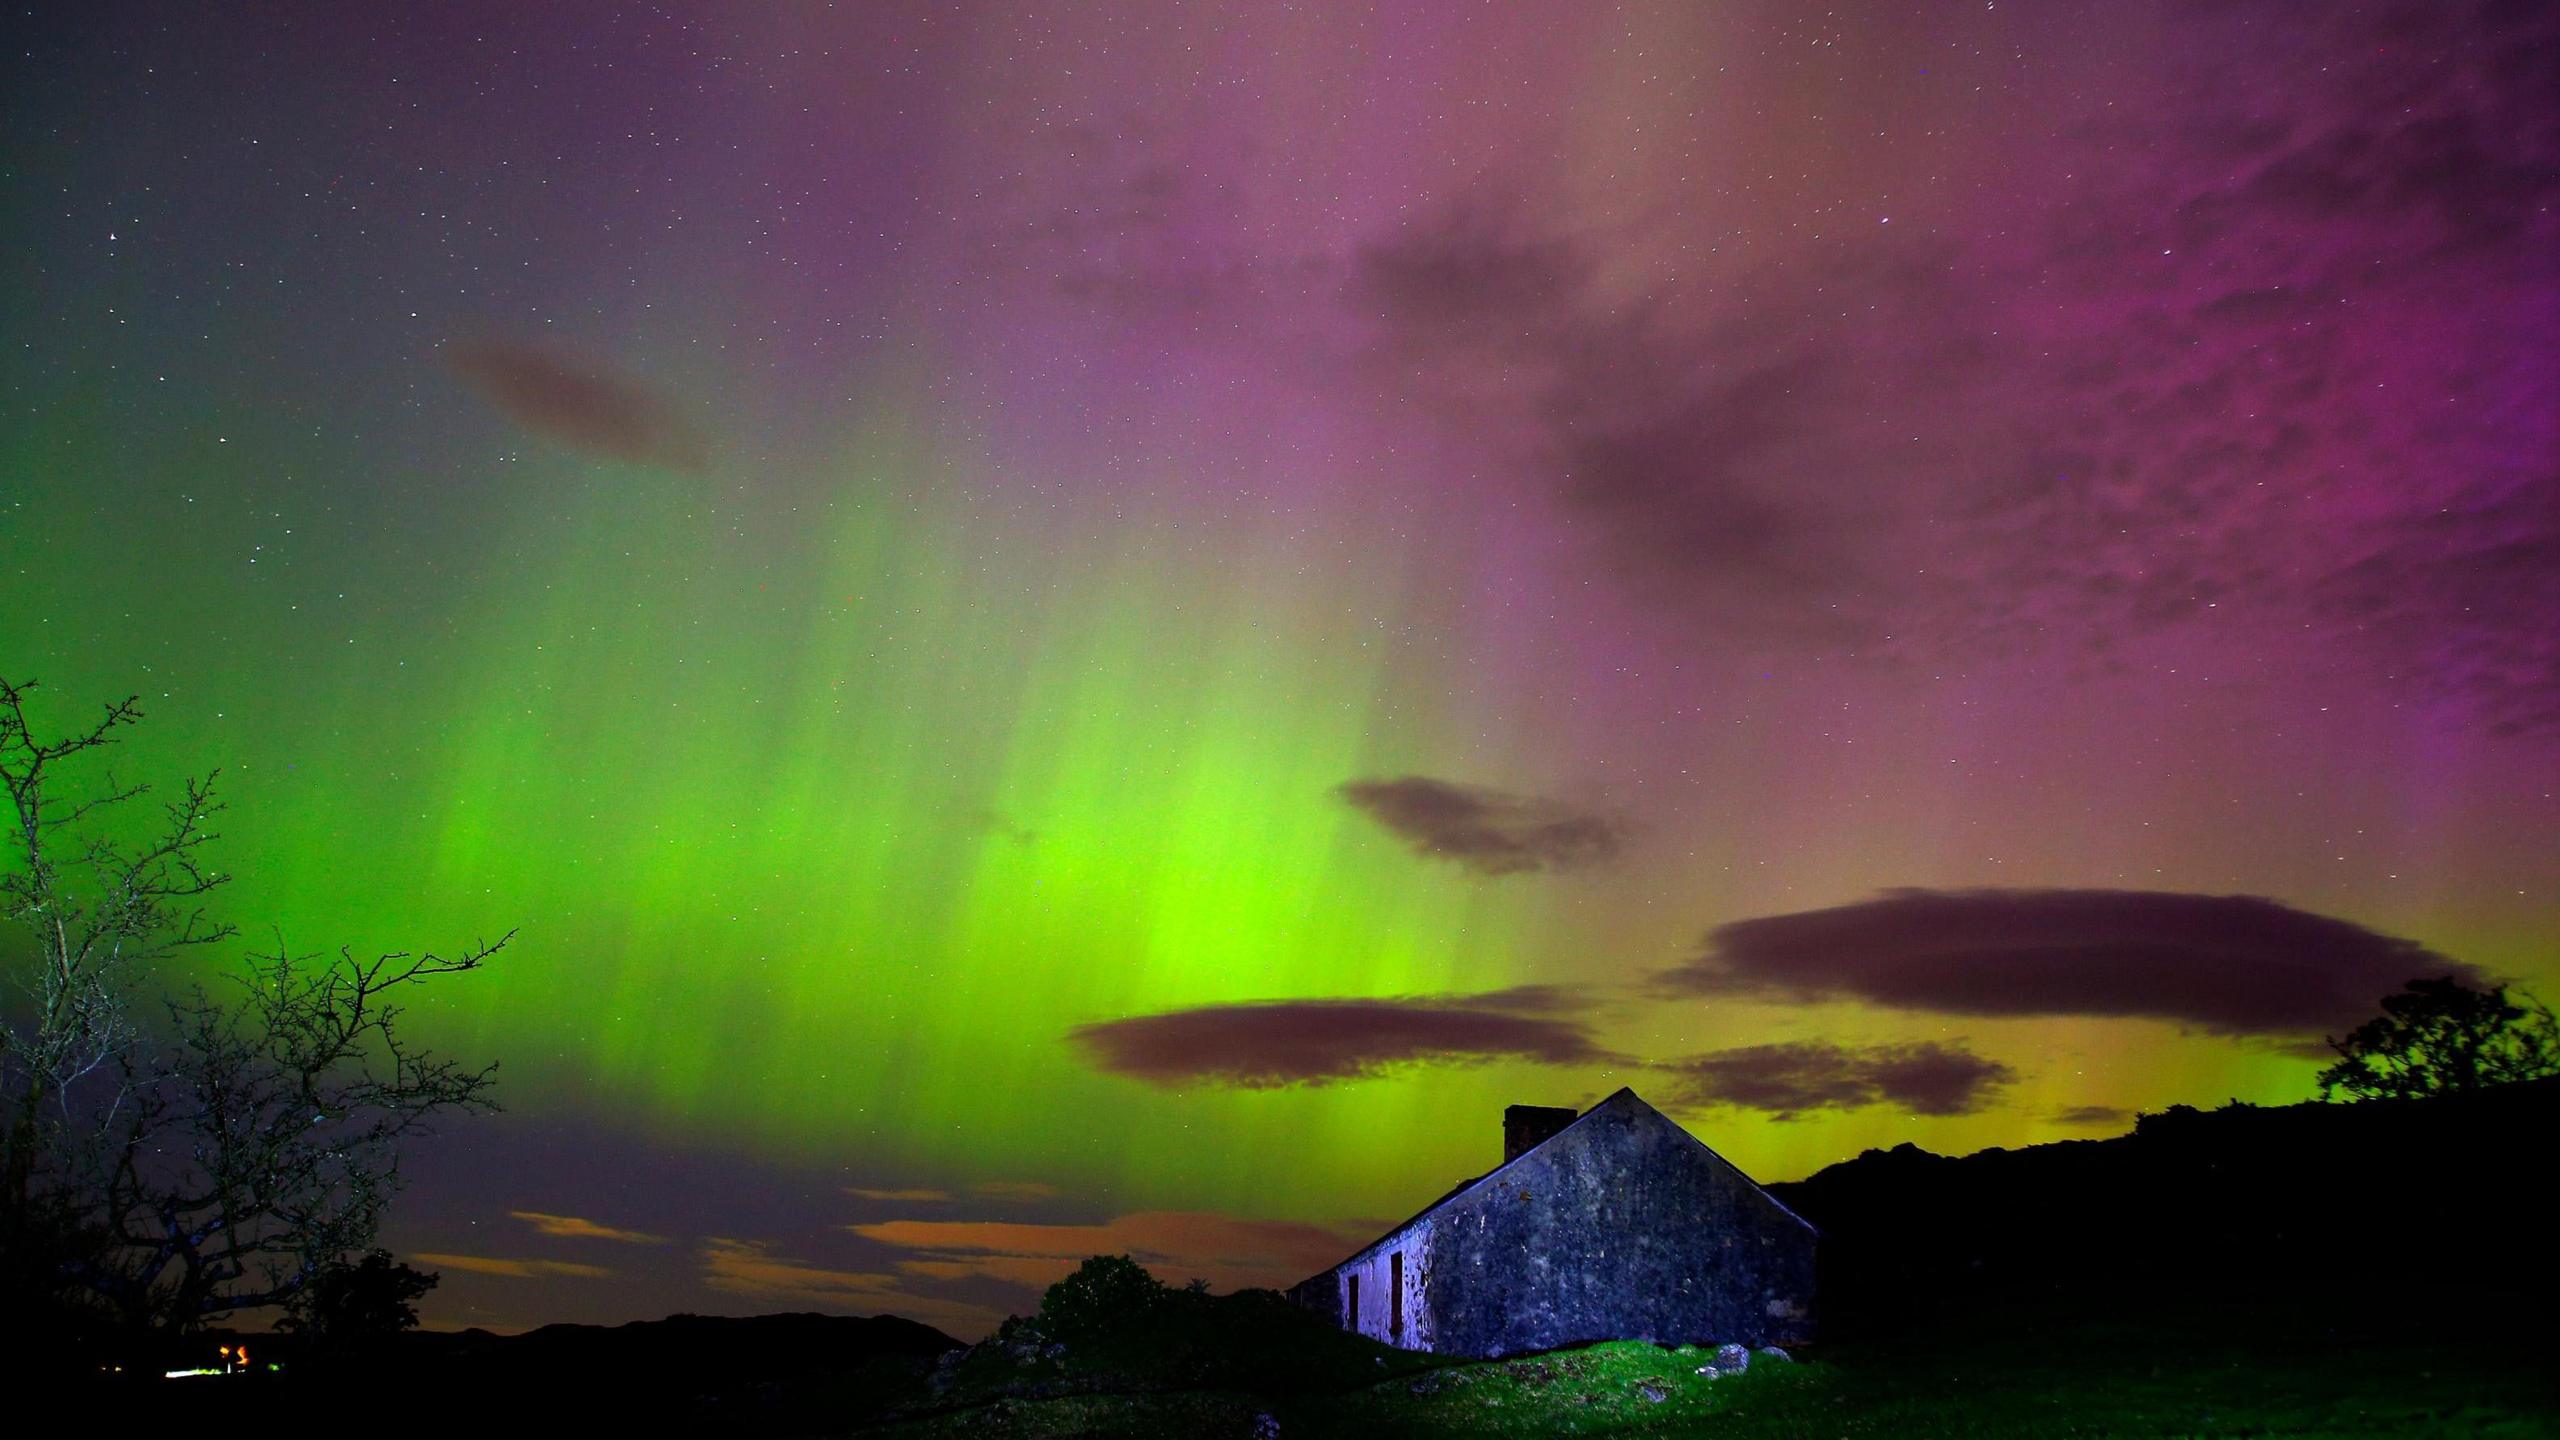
column 1470, row 1187
column 1712, row 1154
column 1626, row 1092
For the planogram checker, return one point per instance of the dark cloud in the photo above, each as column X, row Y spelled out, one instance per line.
column 2263, row 360
column 579, row 403
column 998, row 825
column 1271, row 1044
column 2092, row 1116
column 1787, row 1080
column 1017, row 1191
column 1480, row 276
column 1487, row 831
column 1135, row 220
column 1522, row 1000
column 2232, row 964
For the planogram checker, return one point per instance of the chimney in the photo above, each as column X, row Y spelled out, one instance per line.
column 1525, row 1127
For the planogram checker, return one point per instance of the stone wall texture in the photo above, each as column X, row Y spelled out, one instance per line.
column 1622, row 1227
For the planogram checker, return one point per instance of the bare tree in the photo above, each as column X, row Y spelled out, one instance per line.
column 165, row 1169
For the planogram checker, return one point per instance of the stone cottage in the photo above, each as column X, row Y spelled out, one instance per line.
column 1613, row 1224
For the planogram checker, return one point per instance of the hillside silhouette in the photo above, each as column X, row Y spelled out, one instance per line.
column 2312, row 1206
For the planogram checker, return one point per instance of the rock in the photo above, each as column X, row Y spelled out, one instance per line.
column 1772, row 1352
column 1266, row 1427
column 1711, row 1372
column 1653, row 1394
column 1732, row 1359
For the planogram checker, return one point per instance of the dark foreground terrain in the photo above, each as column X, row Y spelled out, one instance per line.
column 2379, row 1269
column 2128, row 1382
column 2135, row 1381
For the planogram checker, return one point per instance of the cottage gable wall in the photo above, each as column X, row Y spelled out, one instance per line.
column 1624, row 1227
column 1620, row 1227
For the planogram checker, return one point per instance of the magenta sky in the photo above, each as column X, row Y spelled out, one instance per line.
column 1032, row 605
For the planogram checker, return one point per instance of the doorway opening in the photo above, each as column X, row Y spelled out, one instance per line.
column 1395, row 1298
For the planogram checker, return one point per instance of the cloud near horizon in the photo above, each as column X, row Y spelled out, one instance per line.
column 1486, row 831
column 2092, row 1116
column 579, row 403
column 752, row 1269
column 1786, row 1081
column 510, row 1267
column 576, row 1227
column 2237, row 965
column 1175, row 1245
column 1272, row 1044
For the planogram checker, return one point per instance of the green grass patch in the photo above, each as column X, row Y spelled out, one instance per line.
column 1623, row 1388
column 2126, row 1382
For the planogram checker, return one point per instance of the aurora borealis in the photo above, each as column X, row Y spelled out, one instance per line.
column 1076, row 628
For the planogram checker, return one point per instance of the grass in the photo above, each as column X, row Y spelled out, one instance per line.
column 2051, row 1388
column 2128, row 1382
column 1615, row 1389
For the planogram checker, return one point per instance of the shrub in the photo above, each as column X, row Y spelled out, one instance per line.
column 1107, row 1295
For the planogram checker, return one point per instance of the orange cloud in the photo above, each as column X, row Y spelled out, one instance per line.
column 1226, row 1251
column 512, row 1269
column 750, row 1268
column 573, row 1227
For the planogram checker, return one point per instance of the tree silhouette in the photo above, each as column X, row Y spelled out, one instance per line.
column 2441, row 1037
column 166, row 1161
column 1106, row 1294
column 349, row 1302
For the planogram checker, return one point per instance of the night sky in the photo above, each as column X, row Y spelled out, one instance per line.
column 1103, row 627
